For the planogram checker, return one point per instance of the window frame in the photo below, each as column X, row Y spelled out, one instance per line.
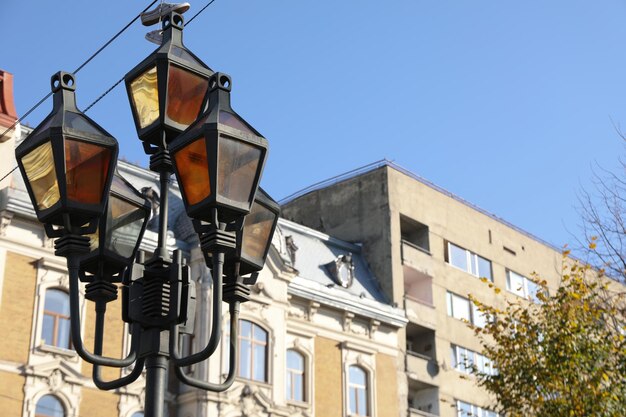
column 475, row 411
column 474, row 314
column 365, row 388
column 477, row 359
column 526, row 286
column 471, row 259
column 291, row 373
column 266, row 345
column 56, row 317
column 57, row 399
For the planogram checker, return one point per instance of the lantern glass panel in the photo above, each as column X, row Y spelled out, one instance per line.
column 233, row 121
column 78, row 122
column 184, row 55
column 185, row 94
column 41, row 175
column 124, row 224
column 256, row 231
column 193, row 170
column 238, row 163
column 86, row 171
column 145, row 94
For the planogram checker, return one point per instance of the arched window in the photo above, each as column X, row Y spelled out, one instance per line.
column 295, row 376
column 252, row 351
column 49, row 406
column 137, row 414
column 55, row 330
column 357, row 391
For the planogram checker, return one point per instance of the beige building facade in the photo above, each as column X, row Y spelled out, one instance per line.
column 429, row 248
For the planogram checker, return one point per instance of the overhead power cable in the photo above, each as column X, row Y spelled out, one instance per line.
column 86, row 62
column 81, row 66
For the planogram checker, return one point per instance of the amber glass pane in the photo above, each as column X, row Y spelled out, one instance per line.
column 86, row 171
column 145, row 94
column 193, row 170
column 256, row 231
column 124, row 222
column 238, row 163
column 185, row 93
column 39, row 167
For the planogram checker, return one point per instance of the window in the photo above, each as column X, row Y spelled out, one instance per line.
column 357, row 391
column 464, row 359
column 49, row 406
column 295, row 376
column 469, row 261
column 252, row 351
column 520, row 285
column 461, row 308
column 470, row 410
column 55, row 330
column 137, row 414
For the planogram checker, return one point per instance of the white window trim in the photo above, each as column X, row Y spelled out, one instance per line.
column 525, row 286
column 475, row 410
column 366, row 359
column 476, row 356
column 473, row 310
column 51, row 275
column 70, row 405
column 269, row 357
column 307, row 377
column 472, row 261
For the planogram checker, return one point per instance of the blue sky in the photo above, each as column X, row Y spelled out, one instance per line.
column 506, row 104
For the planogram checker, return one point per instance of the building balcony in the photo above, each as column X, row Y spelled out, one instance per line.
column 422, row 368
column 419, row 413
column 419, row 312
column 417, row 257
column 418, row 269
column 423, row 399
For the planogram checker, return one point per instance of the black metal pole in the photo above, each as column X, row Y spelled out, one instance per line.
column 156, row 382
column 165, row 178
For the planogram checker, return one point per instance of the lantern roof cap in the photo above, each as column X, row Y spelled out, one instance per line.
column 65, row 118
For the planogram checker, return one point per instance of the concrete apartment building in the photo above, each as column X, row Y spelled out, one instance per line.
column 428, row 248
column 318, row 338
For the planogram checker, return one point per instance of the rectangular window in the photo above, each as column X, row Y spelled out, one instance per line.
column 459, row 307
column 470, row 410
column 520, row 285
column 463, row 309
column 464, row 359
column 469, row 261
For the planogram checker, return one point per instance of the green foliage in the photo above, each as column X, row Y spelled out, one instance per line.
column 562, row 356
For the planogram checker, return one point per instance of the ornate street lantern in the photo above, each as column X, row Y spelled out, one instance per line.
column 219, row 159
column 114, row 244
column 166, row 90
column 67, row 163
column 254, row 238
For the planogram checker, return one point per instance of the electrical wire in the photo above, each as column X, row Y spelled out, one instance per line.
column 89, row 60
column 80, row 67
column 200, row 11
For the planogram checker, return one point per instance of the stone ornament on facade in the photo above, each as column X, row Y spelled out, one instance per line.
column 5, row 221
column 342, row 270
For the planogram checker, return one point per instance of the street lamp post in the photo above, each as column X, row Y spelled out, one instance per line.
column 183, row 115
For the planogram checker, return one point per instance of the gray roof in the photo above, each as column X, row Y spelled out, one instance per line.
column 314, row 280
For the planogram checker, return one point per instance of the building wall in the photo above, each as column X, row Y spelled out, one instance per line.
column 354, row 210
column 328, row 399
column 18, row 284
column 369, row 208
